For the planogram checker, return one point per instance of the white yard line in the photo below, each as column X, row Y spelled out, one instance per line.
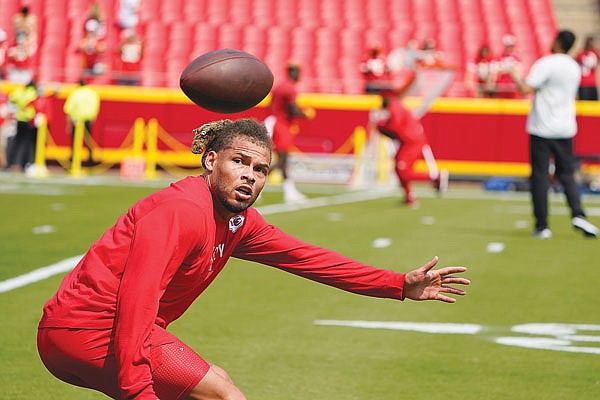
column 39, row 274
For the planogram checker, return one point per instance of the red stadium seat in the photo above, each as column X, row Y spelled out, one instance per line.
column 230, row 36
column 217, row 12
column 149, row 12
column 254, row 40
column 240, row 12
column 77, row 9
column 171, row 11
column 194, row 11
column 263, row 13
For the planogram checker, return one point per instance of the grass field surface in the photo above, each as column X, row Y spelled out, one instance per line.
column 261, row 324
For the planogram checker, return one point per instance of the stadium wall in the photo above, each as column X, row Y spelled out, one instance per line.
column 468, row 136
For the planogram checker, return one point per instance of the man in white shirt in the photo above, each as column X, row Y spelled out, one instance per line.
column 551, row 124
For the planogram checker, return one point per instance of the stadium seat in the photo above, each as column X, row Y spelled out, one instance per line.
column 263, row 13
column 171, row 11
column 217, row 12
column 77, row 9
column 254, row 40
column 150, row 12
column 193, row 11
column 53, row 8
column 229, row 36
column 240, row 12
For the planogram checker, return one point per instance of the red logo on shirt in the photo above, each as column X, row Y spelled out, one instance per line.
column 235, row 223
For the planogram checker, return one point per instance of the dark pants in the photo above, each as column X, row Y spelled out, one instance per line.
column 22, row 151
column 540, row 151
column 588, row 93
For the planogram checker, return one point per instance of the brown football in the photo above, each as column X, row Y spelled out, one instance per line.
column 226, row 81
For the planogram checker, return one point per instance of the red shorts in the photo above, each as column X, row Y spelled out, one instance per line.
column 85, row 357
column 283, row 139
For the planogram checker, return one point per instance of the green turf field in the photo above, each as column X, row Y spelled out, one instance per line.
column 258, row 322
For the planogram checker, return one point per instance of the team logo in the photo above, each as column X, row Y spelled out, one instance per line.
column 236, row 223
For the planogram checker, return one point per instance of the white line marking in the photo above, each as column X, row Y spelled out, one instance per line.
column 425, row 327
column 39, row 274
column 543, row 336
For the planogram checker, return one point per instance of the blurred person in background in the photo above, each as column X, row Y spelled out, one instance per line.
column 128, row 14
column 25, row 26
column 131, row 51
column 397, row 122
column 375, row 71
column 6, row 131
column 587, row 59
column 480, row 74
column 3, row 54
column 91, row 48
column 552, row 124
column 22, row 151
column 94, row 21
column 20, row 59
column 83, row 104
column 429, row 56
column 281, row 124
column 107, row 327
column 506, row 63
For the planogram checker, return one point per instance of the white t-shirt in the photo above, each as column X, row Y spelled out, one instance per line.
column 556, row 78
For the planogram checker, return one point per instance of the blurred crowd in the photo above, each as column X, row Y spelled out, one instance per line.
column 19, row 48
column 24, row 109
column 487, row 75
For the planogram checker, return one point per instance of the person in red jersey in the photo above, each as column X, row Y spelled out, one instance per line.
column 3, row 53
column 587, row 59
column 398, row 123
column 106, row 327
column 131, row 51
column 480, row 73
column 507, row 62
column 375, row 71
column 281, row 123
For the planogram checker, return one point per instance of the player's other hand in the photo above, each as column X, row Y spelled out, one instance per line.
column 425, row 283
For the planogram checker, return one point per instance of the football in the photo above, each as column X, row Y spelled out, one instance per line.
column 226, row 81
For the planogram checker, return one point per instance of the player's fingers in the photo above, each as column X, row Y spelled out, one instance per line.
column 452, row 290
column 451, row 270
column 425, row 268
column 445, row 299
column 455, row 279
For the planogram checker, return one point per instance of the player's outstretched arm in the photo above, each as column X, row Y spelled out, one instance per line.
column 425, row 283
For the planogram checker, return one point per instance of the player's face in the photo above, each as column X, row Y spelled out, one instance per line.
column 236, row 175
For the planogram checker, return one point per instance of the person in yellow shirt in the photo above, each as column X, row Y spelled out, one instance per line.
column 23, row 148
column 83, row 104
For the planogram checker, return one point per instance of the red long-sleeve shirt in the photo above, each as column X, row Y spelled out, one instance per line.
column 163, row 253
column 402, row 124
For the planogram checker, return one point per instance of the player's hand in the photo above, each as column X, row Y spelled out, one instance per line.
column 426, row 283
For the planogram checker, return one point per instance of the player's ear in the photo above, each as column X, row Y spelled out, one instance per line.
column 210, row 159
